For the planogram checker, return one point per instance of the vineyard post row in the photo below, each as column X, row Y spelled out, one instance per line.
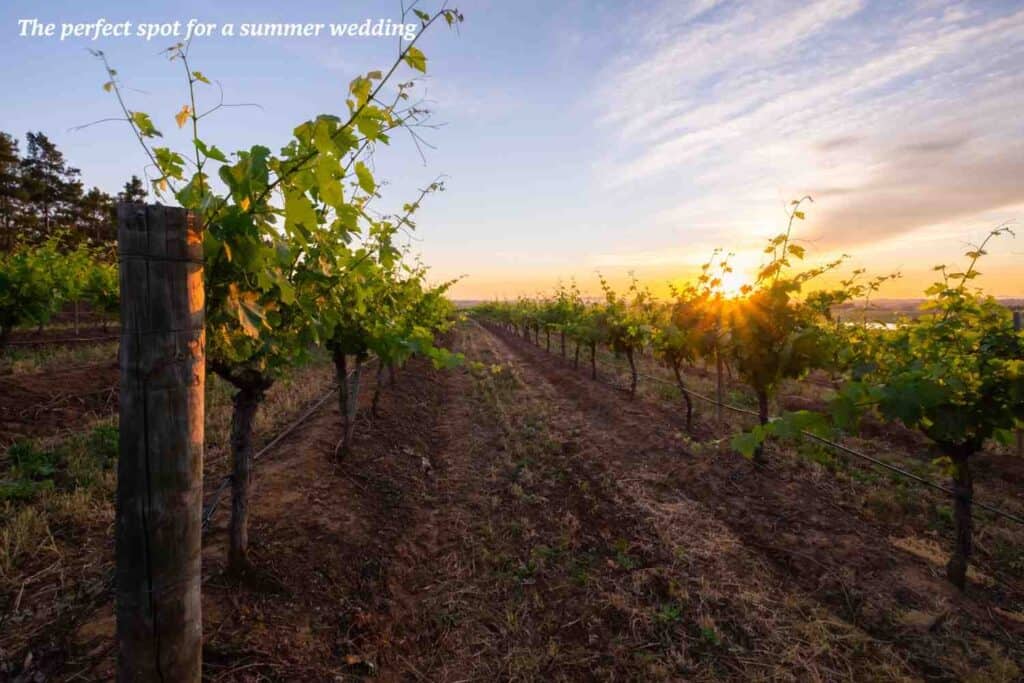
column 721, row 405
column 159, row 484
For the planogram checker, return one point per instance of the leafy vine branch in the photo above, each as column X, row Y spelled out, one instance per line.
column 329, row 274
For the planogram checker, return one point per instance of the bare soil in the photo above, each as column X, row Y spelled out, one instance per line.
column 513, row 520
column 852, row 564
column 42, row 404
column 64, row 334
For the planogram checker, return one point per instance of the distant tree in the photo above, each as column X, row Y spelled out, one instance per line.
column 10, row 190
column 134, row 191
column 95, row 218
column 52, row 188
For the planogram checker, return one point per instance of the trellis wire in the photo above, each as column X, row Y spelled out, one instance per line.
column 834, row 445
column 211, row 508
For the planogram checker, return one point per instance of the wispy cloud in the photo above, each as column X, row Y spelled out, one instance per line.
column 894, row 118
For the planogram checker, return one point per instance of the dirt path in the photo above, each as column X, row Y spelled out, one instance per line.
column 547, row 558
column 323, row 536
column 850, row 565
column 512, row 520
column 64, row 334
column 322, row 539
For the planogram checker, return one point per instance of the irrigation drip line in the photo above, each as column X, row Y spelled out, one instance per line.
column 212, row 507
column 832, row 444
column 61, row 342
column 63, row 372
column 850, row 451
column 226, row 479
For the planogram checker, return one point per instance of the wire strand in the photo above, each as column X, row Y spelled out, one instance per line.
column 832, row 444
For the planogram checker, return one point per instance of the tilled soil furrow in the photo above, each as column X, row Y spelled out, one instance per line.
column 757, row 600
column 846, row 562
column 555, row 564
column 512, row 520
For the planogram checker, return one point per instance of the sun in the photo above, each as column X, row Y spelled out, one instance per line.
column 733, row 283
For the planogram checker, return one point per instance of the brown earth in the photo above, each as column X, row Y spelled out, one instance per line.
column 853, row 565
column 56, row 335
column 514, row 520
column 47, row 403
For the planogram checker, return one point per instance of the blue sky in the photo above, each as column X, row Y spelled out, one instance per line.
column 611, row 136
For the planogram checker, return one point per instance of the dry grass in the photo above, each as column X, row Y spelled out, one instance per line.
column 836, row 609
column 56, row 549
column 32, row 360
column 886, row 496
column 284, row 400
column 87, row 478
column 20, row 537
column 576, row 570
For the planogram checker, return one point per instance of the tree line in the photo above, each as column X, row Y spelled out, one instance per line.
column 43, row 197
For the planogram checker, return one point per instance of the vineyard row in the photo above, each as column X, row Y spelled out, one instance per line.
column 955, row 373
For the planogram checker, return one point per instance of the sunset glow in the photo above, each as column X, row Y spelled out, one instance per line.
column 733, row 283
column 634, row 137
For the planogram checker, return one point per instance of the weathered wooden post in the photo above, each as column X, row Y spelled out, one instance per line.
column 159, row 487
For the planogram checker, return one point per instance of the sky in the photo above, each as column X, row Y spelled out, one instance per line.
column 611, row 137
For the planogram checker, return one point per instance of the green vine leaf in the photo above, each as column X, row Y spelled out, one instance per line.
column 366, row 181
column 144, row 125
column 415, row 58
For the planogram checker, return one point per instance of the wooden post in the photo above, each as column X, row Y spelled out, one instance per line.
column 160, row 470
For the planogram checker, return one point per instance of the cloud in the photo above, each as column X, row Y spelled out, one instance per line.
column 911, row 190
column 894, row 118
column 840, row 142
column 944, row 144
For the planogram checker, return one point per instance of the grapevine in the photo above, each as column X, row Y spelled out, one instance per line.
column 293, row 257
column 956, row 373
